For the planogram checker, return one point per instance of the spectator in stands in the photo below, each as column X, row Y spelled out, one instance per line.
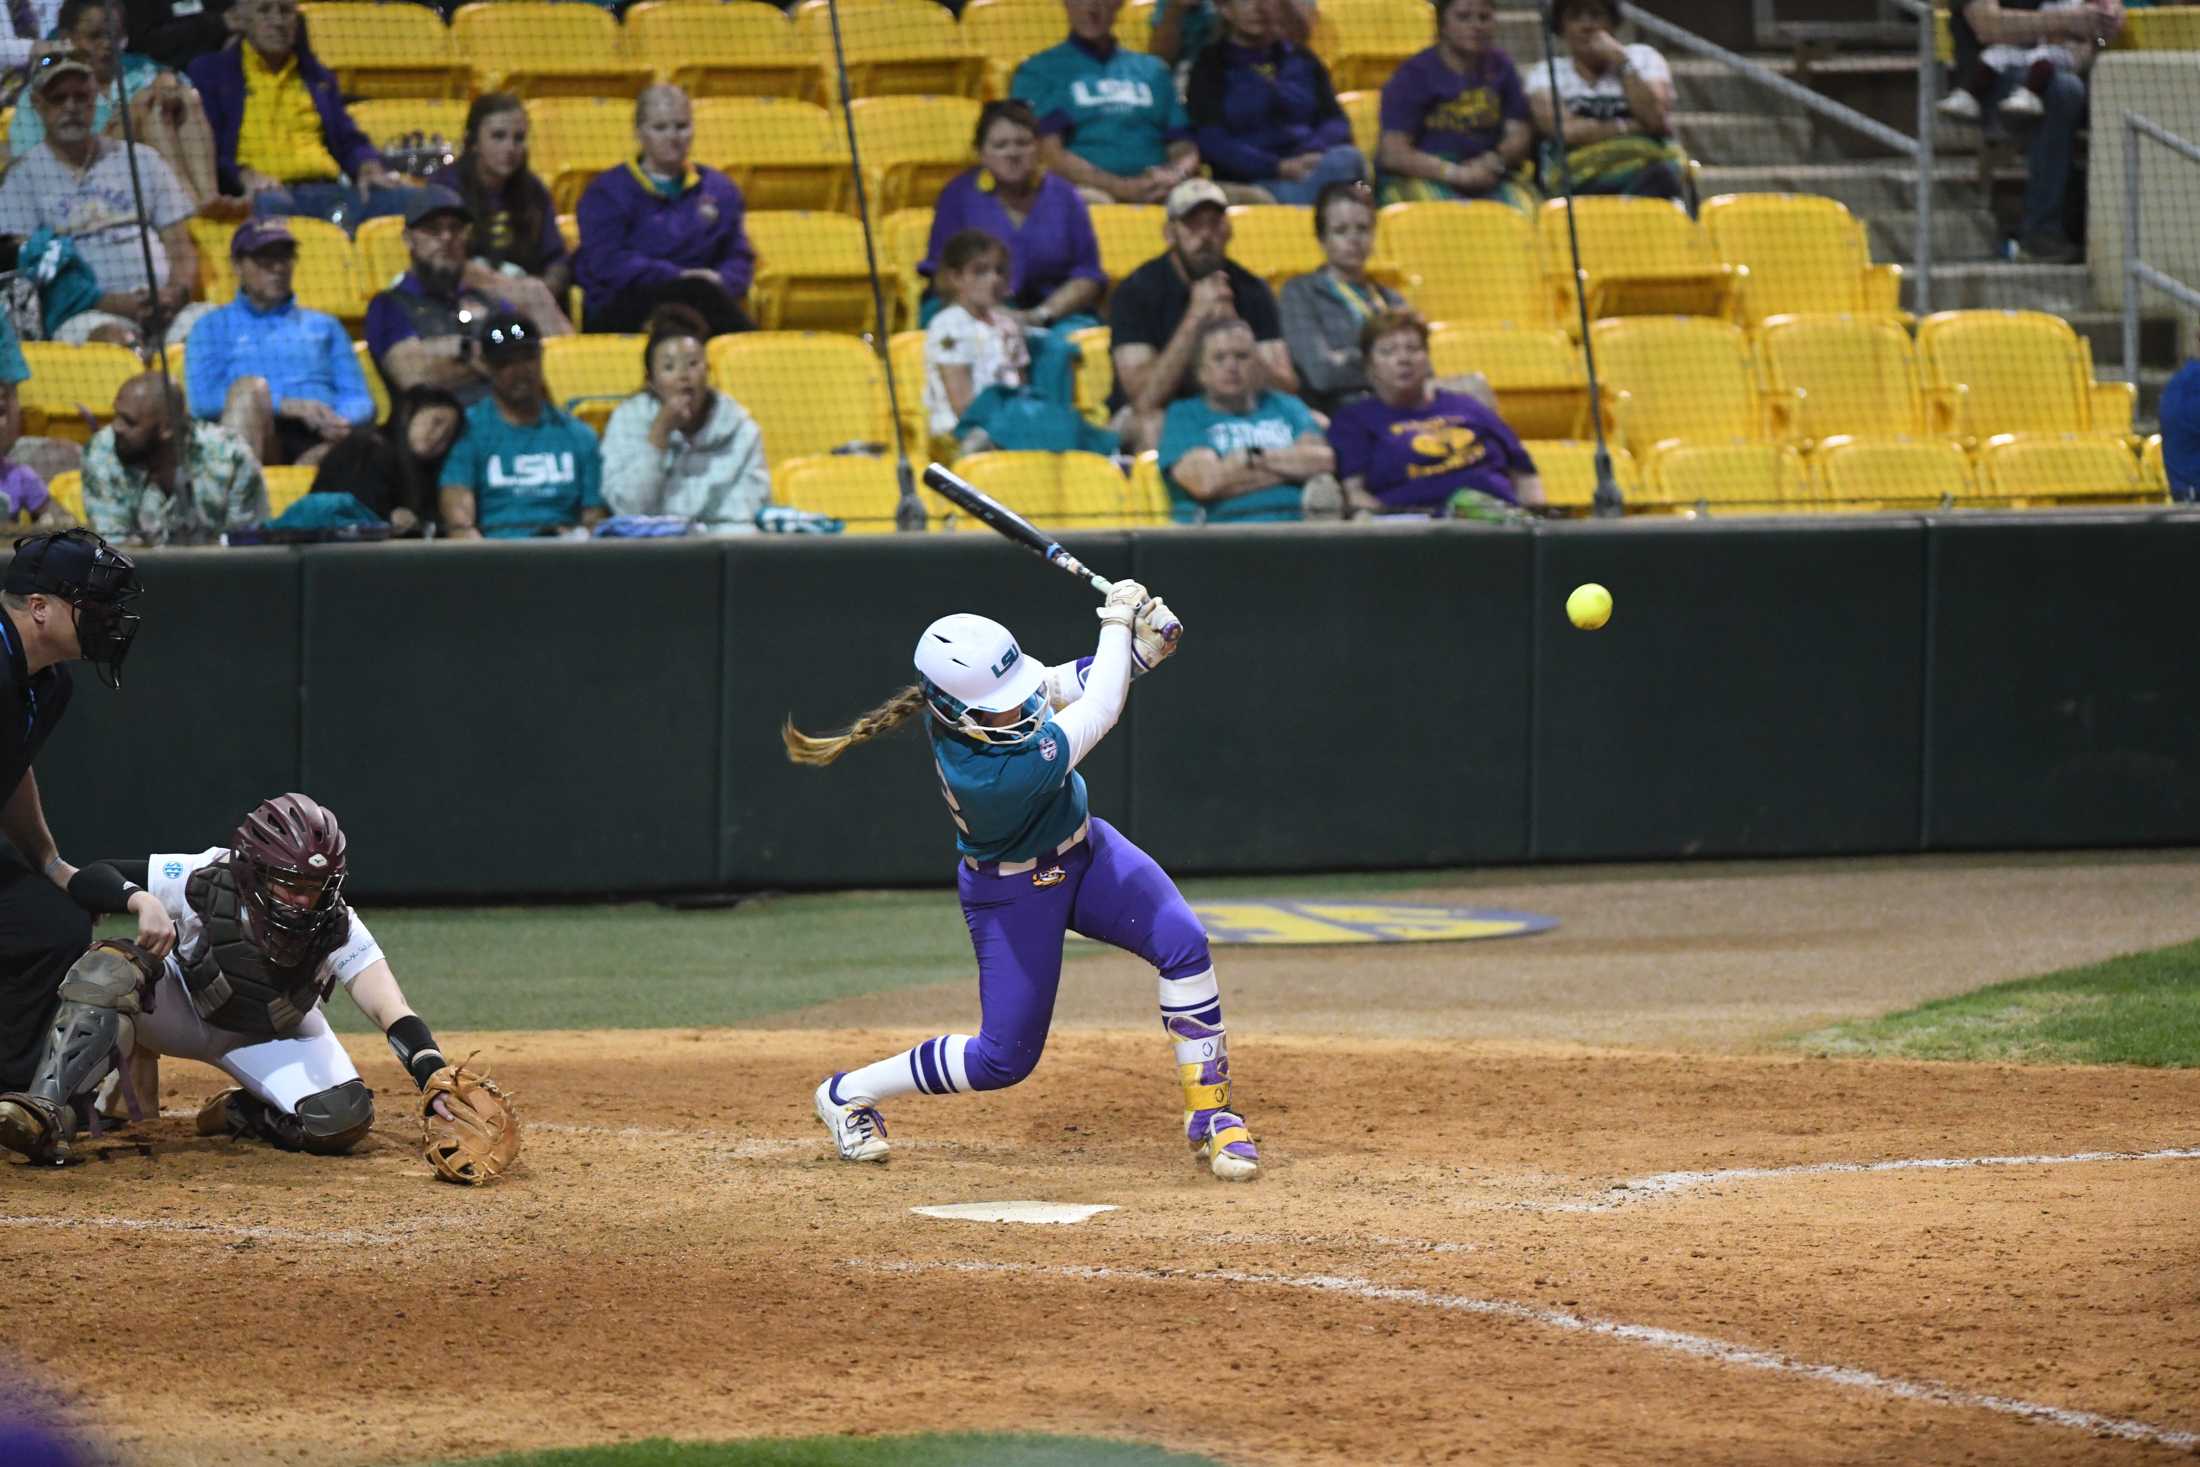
column 522, row 467
column 165, row 113
column 281, row 377
column 282, row 136
column 1158, row 309
column 1454, row 118
column 2033, row 55
column 1323, row 312
column 681, row 447
column 76, row 186
column 1410, row 449
column 1265, row 114
column 517, row 252
column 157, row 476
column 1109, row 118
column 1239, row 452
column 1182, row 28
column 176, row 33
column 397, row 470
column 22, row 486
column 1054, row 275
column 974, row 343
column 662, row 229
column 1614, row 117
column 2180, row 417
column 423, row 330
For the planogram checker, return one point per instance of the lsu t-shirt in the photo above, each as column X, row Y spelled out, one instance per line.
column 1118, row 111
column 525, row 480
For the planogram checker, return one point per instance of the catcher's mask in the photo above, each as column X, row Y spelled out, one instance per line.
column 98, row 581
column 290, row 876
column 972, row 664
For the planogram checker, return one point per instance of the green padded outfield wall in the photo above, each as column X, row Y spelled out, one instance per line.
column 574, row 719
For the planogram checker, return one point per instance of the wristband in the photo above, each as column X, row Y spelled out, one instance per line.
column 99, row 887
column 415, row 1048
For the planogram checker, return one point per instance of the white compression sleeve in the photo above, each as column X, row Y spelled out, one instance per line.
column 1064, row 686
column 1088, row 720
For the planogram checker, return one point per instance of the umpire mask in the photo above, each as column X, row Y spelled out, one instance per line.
column 98, row 581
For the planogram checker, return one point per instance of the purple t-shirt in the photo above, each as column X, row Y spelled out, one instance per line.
column 24, row 490
column 1055, row 243
column 1418, row 457
column 1453, row 116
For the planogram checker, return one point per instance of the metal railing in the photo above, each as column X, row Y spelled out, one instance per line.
column 2137, row 272
column 1919, row 149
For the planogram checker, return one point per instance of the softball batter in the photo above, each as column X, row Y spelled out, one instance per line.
column 1007, row 736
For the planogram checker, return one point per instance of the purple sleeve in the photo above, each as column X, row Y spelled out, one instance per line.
column 1493, row 426
column 1350, row 440
column 552, row 244
column 346, row 143
column 1513, row 98
column 1405, row 100
column 387, row 326
column 737, row 265
column 1332, row 129
column 947, row 222
column 1084, row 245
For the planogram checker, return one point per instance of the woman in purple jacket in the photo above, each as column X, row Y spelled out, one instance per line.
column 1265, row 111
column 661, row 230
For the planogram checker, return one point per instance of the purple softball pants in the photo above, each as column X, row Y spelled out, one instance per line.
column 1110, row 891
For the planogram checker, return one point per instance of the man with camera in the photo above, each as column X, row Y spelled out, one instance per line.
column 425, row 329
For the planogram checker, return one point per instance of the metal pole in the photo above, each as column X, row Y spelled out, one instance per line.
column 1928, row 73
column 1607, row 500
column 2132, row 143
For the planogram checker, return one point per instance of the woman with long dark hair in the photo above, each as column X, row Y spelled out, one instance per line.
column 516, row 252
column 395, row 469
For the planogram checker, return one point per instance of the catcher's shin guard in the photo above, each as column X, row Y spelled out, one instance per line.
column 327, row 1123
column 91, row 1028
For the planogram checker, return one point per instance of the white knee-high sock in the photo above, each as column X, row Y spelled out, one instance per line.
column 935, row 1067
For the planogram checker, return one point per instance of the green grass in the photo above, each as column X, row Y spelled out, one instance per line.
column 2140, row 1009
column 638, row 965
column 967, row 1450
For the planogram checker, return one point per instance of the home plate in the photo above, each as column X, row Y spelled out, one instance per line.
column 1015, row 1212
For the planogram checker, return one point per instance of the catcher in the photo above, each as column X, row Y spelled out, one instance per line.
column 260, row 936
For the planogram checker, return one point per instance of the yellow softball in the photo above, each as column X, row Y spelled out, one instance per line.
column 1589, row 607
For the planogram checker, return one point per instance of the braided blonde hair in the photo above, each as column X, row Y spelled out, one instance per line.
column 805, row 748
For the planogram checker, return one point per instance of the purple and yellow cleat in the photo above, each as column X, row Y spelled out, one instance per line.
column 1219, row 1138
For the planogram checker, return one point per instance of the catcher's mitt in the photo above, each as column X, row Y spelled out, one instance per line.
column 479, row 1139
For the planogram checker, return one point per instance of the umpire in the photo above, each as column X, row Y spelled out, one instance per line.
column 66, row 597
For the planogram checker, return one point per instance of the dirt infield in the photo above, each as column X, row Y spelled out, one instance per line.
column 1460, row 1250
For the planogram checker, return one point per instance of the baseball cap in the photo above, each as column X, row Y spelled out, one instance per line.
column 506, row 336
column 56, row 63
column 1192, row 193
column 255, row 235
column 433, row 200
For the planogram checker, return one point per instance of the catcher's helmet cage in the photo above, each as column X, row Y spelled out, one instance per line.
column 971, row 663
column 294, row 841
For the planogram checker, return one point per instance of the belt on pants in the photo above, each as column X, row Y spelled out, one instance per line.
column 1018, row 868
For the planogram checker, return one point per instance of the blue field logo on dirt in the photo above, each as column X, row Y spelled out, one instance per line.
column 1312, row 922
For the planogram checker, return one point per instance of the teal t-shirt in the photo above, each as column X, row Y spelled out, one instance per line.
column 1119, row 112
column 1276, row 421
column 1011, row 802
column 13, row 368
column 525, row 480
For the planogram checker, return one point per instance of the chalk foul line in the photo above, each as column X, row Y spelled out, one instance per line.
column 405, row 1229
column 1675, row 1342
column 1672, row 1184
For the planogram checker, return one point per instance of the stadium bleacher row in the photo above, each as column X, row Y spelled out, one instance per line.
column 1753, row 356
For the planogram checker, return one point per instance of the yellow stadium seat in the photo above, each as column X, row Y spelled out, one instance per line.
column 67, row 489
column 569, row 225
column 903, row 240
column 784, row 154
column 1688, row 377
column 892, row 48
column 912, row 146
column 1095, row 379
column 1097, row 495
column 741, row 49
column 1804, row 254
column 1755, row 478
column 1364, row 41
column 388, row 119
column 2152, row 466
column 1028, row 483
column 1129, row 236
column 1892, row 473
column 572, row 139
column 2008, row 372
column 1568, row 468
column 540, row 49
column 1642, row 257
column 1133, row 26
column 811, row 273
column 905, row 355
column 1149, row 493
column 810, row 393
column 286, row 485
column 1364, row 110
column 1274, row 241
column 1537, row 373
column 2166, row 28
column 2062, row 468
column 1465, row 262
column 381, row 251
column 387, row 50
column 589, row 376
column 859, row 490
column 1007, row 32
column 1846, row 375
column 377, row 389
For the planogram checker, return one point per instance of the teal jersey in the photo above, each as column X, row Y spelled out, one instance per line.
column 526, row 480
column 1118, row 113
column 1276, row 421
column 1011, row 802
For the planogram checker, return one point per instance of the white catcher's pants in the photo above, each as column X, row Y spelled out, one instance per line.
column 281, row 1071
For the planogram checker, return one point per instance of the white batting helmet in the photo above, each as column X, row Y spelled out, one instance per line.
column 972, row 664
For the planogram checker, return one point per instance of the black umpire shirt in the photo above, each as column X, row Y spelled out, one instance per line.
column 31, row 706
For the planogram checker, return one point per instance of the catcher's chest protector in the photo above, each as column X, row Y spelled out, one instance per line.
column 232, row 983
